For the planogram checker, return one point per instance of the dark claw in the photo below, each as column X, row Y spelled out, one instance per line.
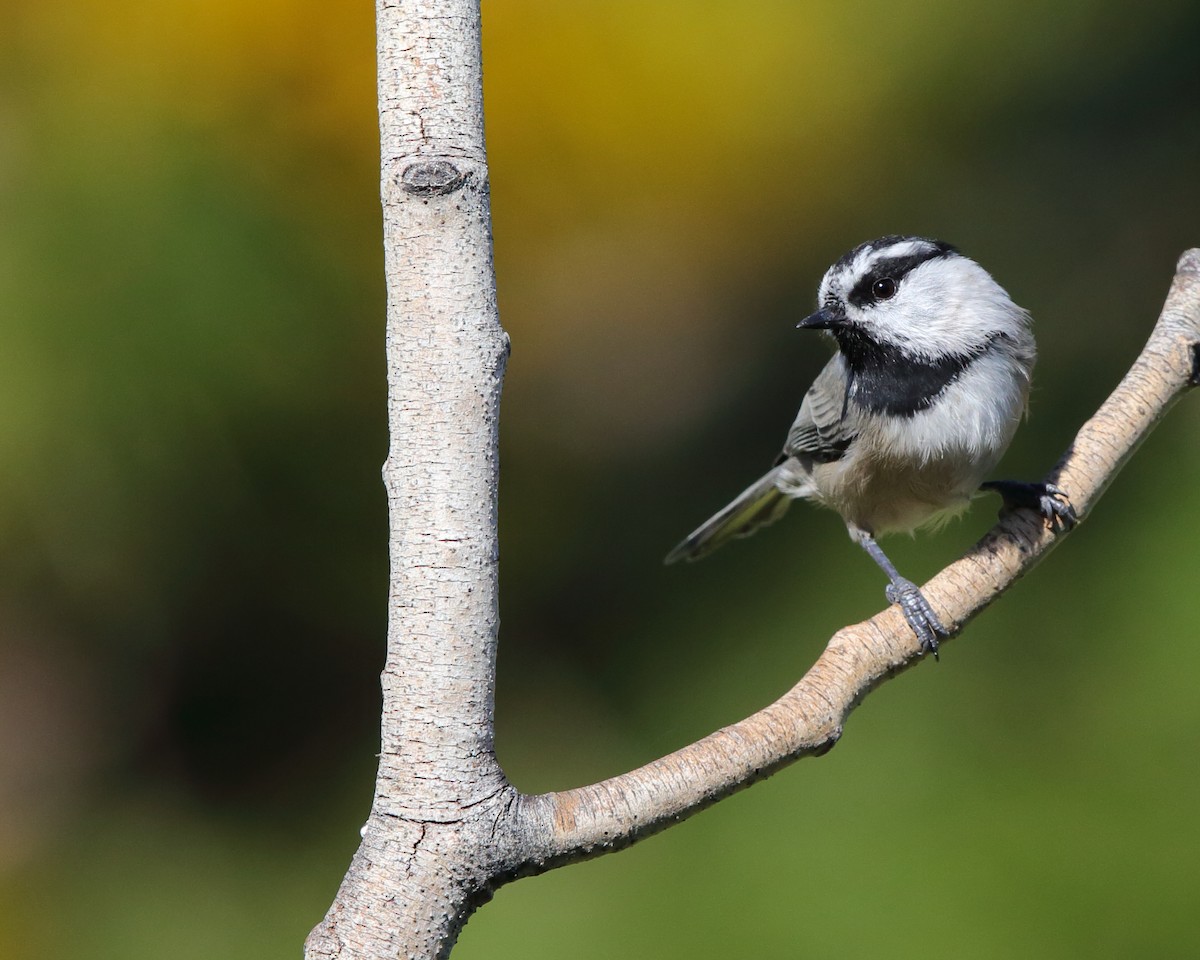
column 1055, row 506
column 918, row 613
column 1046, row 498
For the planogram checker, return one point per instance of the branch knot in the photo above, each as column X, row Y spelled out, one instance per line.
column 431, row 178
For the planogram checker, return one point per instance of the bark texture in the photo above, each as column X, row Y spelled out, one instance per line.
column 446, row 828
column 421, row 864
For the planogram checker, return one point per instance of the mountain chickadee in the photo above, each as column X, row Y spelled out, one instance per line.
column 921, row 399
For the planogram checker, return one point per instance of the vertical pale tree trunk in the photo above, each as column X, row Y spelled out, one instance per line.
column 445, row 357
column 446, row 828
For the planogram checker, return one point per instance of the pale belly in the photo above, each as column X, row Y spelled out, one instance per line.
column 883, row 496
column 903, row 473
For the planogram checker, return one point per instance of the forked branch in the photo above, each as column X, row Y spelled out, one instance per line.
column 446, row 827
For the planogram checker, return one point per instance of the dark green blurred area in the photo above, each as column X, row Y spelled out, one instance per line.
column 192, row 422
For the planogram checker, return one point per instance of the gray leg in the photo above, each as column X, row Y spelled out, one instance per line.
column 915, row 607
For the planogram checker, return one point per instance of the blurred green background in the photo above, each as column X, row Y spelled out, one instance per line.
column 193, row 562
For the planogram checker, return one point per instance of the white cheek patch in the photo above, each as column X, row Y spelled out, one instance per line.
column 946, row 306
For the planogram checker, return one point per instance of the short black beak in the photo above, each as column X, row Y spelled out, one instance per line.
column 824, row 319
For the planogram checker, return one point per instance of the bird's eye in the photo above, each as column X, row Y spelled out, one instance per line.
column 884, row 288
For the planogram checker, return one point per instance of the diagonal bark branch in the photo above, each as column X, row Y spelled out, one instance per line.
column 446, row 827
column 808, row 719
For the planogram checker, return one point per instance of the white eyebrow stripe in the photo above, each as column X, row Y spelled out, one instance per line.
column 868, row 258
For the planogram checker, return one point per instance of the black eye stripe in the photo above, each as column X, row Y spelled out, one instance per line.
column 894, row 268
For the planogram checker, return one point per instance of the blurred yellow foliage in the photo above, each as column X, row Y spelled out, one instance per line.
column 213, row 60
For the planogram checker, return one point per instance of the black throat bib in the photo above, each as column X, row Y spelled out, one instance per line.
column 885, row 379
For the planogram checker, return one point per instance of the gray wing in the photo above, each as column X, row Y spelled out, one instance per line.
column 822, row 433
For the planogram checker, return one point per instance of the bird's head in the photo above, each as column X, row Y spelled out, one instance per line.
column 914, row 298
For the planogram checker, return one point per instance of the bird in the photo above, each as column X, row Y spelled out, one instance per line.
column 929, row 381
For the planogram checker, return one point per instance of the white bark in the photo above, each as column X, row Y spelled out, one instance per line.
column 419, row 867
column 446, row 828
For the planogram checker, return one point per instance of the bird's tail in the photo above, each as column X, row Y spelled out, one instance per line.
column 756, row 506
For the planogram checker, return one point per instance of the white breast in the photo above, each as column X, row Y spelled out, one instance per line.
column 903, row 472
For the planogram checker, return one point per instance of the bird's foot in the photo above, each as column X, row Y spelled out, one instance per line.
column 1045, row 498
column 918, row 613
